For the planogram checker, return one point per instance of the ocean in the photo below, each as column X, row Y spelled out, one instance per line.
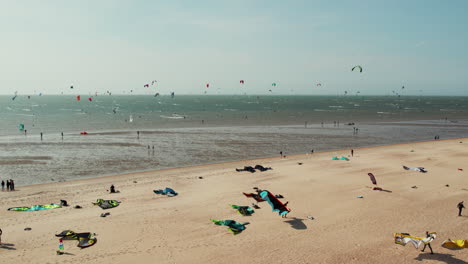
column 128, row 133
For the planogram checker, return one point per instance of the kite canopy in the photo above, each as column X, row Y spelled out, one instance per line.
column 243, row 210
column 35, row 207
column 273, row 84
column 233, row 226
column 168, row 191
column 255, row 196
column 455, row 244
column 84, row 239
column 357, row 66
column 405, row 238
column 241, row 81
column 78, row 98
column 21, row 127
column 106, row 204
column 276, row 205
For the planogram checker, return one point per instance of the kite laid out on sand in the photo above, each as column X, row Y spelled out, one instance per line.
column 255, row 196
column 276, row 205
column 106, row 204
column 35, row 207
column 233, row 226
column 342, row 158
column 168, row 191
column 455, row 244
column 405, row 238
column 243, row 210
column 84, row 239
column 420, row 169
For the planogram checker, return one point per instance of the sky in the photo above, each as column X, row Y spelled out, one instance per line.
column 120, row 45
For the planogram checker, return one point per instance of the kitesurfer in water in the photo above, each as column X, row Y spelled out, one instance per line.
column 428, row 244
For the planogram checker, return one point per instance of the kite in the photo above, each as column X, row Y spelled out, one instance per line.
column 35, row 207
column 455, row 244
column 233, row 226
column 168, row 191
column 84, row 239
column 172, row 94
column 21, row 127
column 357, row 66
column 273, row 84
column 276, row 205
column 420, row 169
column 405, row 238
column 243, row 210
column 71, row 86
column 90, row 99
column 146, row 85
column 78, row 98
column 156, row 95
column 106, row 204
column 207, row 85
column 255, row 196
column 372, row 178
column 319, row 84
column 241, row 81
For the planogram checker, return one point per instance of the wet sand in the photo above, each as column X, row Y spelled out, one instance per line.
column 148, row 228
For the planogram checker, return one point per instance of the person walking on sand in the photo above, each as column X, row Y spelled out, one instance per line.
column 3, row 185
column 460, row 208
column 352, row 153
column 281, row 153
column 428, row 244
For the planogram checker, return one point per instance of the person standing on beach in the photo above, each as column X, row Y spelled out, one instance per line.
column 428, row 244
column 281, row 153
column 3, row 185
column 7, row 185
column 352, row 153
column 12, row 185
column 460, row 208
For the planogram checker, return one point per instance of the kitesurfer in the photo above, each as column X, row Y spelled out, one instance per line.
column 460, row 207
column 428, row 244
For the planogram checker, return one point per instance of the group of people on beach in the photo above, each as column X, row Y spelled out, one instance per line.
column 10, row 185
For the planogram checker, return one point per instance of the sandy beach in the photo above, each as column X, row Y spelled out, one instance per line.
column 151, row 228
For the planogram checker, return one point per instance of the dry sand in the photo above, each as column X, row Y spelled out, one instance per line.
column 149, row 228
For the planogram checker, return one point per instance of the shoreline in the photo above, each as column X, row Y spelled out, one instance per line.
column 199, row 166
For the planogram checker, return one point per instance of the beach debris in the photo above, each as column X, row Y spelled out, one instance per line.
column 134, row 181
column 105, row 214
column 310, row 217
column 299, row 163
column 358, row 67
column 412, row 150
column 279, row 196
column 243, row 210
column 27, row 229
column 405, row 238
column 455, row 244
column 200, row 177
column 233, row 226
column 276, row 205
column 35, row 207
column 446, row 185
column 360, row 196
column 86, row 239
column 460, row 169
column 168, row 191
column 106, row 204
column 414, row 187
column 77, row 207
column 420, row 169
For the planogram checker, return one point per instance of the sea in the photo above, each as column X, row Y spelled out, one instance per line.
column 114, row 134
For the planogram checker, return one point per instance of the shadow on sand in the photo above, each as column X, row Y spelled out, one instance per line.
column 447, row 258
column 296, row 223
column 7, row 246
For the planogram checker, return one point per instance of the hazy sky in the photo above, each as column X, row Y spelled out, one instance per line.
column 99, row 45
